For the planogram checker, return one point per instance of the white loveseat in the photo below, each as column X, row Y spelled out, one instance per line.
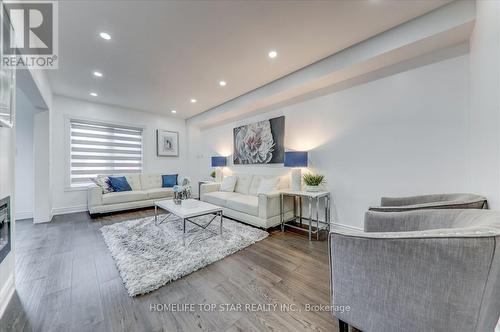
column 146, row 189
column 244, row 204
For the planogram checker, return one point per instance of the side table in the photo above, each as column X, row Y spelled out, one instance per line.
column 313, row 198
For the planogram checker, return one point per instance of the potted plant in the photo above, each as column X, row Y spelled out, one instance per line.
column 212, row 175
column 313, row 181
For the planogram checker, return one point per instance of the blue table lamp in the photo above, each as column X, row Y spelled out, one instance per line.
column 218, row 162
column 296, row 159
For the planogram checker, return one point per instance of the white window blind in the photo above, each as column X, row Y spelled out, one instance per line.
column 99, row 148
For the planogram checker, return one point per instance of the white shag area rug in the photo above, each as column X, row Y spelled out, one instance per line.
column 149, row 256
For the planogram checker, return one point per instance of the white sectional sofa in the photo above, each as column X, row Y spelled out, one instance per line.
column 244, row 204
column 146, row 189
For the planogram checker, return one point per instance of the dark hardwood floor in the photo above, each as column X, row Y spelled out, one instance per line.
column 67, row 280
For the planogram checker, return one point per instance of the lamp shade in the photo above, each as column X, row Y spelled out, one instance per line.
column 219, row 161
column 296, row 159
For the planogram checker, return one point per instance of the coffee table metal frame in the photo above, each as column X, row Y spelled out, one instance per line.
column 216, row 212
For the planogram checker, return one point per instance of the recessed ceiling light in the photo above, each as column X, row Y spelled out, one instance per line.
column 93, row 94
column 272, row 54
column 105, row 35
column 97, row 74
column 173, row 111
column 193, row 100
column 222, row 83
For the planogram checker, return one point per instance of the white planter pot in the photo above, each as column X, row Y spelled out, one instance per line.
column 312, row 188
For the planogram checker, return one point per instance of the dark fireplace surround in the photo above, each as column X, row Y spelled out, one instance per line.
column 5, row 236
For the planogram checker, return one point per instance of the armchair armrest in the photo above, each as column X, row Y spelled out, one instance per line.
column 405, row 221
column 434, row 201
column 206, row 188
column 94, row 197
column 387, row 278
column 448, row 222
column 398, row 208
column 269, row 204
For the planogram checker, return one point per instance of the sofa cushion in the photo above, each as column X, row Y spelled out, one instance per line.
column 119, row 183
column 160, row 193
column 256, row 180
column 123, row 197
column 243, row 203
column 254, row 185
column 169, row 181
column 243, row 183
column 267, row 185
column 217, row 197
column 102, row 181
column 151, row 181
column 228, row 183
column 134, row 180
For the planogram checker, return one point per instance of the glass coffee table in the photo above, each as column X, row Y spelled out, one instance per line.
column 187, row 210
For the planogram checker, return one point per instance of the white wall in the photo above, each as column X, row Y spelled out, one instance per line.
column 24, row 157
column 41, row 147
column 64, row 201
column 400, row 135
column 485, row 101
column 7, row 174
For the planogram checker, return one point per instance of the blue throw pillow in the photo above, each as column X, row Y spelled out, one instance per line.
column 119, row 183
column 169, row 180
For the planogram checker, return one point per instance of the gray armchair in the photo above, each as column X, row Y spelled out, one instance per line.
column 425, row 270
column 435, row 201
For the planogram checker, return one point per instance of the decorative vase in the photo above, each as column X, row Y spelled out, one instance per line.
column 312, row 188
column 177, row 198
column 182, row 192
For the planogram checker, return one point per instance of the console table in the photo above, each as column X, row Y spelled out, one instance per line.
column 313, row 198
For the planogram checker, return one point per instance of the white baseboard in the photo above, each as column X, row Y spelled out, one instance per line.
column 40, row 220
column 24, row 215
column 6, row 293
column 69, row 209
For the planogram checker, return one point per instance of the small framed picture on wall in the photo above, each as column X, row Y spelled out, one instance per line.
column 167, row 143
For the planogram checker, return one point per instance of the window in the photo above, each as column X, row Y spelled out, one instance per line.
column 98, row 148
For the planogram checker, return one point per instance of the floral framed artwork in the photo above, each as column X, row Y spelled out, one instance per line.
column 167, row 143
column 260, row 142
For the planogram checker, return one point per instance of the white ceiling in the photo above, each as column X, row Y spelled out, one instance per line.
column 163, row 53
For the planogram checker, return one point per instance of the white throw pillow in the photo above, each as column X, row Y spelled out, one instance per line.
column 267, row 185
column 103, row 182
column 228, row 183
